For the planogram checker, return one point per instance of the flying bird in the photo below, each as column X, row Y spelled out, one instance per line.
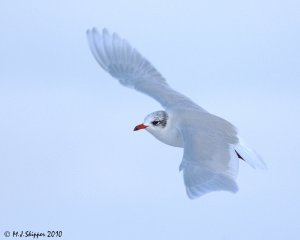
column 212, row 148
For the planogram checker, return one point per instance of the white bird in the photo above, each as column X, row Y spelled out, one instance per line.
column 212, row 149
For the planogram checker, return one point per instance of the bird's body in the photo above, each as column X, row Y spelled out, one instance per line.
column 212, row 149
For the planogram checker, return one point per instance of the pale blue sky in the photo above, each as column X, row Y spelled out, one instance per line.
column 69, row 158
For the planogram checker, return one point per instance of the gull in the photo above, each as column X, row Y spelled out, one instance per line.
column 212, row 148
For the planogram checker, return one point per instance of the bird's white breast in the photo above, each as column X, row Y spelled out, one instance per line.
column 170, row 135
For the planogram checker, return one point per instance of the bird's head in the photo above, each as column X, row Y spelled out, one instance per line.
column 155, row 121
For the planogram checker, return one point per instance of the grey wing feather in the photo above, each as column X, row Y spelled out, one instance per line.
column 209, row 161
column 117, row 57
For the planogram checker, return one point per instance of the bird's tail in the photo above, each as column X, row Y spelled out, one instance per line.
column 249, row 155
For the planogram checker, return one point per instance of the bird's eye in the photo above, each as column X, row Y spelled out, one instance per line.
column 155, row 123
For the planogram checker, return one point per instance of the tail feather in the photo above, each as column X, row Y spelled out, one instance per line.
column 249, row 156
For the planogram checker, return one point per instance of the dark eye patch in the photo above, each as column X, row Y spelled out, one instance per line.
column 155, row 123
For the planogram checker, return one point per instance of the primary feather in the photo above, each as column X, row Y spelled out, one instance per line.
column 125, row 63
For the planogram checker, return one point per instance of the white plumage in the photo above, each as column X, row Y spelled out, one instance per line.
column 212, row 150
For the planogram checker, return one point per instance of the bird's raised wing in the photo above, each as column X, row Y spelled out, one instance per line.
column 209, row 160
column 116, row 56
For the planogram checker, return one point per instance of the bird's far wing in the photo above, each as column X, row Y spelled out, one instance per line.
column 209, row 161
column 117, row 57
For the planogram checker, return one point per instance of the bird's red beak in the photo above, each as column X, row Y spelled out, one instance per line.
column 139, row 127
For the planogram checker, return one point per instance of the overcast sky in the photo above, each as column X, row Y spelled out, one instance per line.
column 69, row 158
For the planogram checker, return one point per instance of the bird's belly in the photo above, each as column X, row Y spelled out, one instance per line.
column 172, row 138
